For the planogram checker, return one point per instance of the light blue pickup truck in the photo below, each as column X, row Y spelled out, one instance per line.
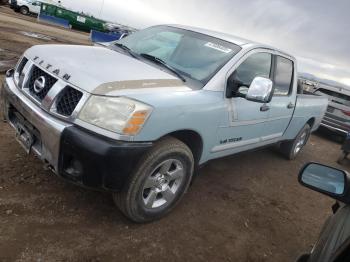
column 138, row 117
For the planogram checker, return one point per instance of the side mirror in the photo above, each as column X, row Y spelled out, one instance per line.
column 326, row 180
column 260, row 90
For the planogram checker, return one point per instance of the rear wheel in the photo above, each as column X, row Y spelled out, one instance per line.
column 158, row 183
column 24, row 10
column 291, row 149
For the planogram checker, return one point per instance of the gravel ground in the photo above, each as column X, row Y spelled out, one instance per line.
column 248, row 207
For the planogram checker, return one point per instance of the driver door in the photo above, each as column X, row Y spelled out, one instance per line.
column 246, row 124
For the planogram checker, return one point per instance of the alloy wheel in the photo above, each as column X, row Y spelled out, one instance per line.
column 162, row 185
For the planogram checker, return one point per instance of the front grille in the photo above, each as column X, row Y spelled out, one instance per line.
column 49, row 82
column 68, row 101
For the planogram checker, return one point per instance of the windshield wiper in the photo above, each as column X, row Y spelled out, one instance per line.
column 164, row 64
column 127, row 49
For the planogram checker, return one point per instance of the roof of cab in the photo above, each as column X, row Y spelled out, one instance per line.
column 227, row 37
column 231, row 38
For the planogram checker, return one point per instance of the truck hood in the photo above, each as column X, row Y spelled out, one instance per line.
column 101, row 71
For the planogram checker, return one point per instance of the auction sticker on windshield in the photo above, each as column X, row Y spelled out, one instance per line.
column 218, row 47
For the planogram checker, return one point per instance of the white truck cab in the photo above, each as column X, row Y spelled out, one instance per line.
column 26, row 7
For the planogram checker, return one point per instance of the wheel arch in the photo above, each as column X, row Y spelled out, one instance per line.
column 311, row 122
column 192, row 139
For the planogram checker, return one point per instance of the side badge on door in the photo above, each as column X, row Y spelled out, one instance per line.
column 231, row 140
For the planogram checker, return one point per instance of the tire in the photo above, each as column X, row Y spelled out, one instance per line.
column 24, row 10
column 151, row 193
column 291, row 149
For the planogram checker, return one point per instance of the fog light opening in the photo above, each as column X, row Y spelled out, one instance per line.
column 74, row 168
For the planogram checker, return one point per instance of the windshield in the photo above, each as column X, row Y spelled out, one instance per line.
column 195, row 55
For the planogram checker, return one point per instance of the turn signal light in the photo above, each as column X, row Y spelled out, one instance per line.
column 135, row 123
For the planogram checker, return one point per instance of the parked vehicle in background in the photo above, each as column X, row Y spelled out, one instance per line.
column 333, row 244
column 113, row 32
column 345, row 150
column 139, row 117
column 26, row 7
column 13, row 3
column 337, row 118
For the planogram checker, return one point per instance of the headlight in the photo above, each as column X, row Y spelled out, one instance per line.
column 117, row 114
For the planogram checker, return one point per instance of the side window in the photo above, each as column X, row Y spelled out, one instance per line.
column 283, row 76
column 258, row 64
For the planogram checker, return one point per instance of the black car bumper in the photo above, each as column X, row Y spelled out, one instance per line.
column 97, row 162
column 76, row 154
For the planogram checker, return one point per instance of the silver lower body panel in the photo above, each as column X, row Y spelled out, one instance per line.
column 49, row 129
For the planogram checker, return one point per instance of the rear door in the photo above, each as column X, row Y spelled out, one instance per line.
column 284, row 98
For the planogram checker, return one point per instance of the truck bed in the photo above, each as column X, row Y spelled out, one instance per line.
column 308, row 107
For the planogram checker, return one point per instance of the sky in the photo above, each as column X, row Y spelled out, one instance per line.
column 314, row 31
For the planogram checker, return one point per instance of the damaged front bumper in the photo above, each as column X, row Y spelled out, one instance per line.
column 76, row 154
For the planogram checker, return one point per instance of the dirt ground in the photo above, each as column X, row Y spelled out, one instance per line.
column 248, row 207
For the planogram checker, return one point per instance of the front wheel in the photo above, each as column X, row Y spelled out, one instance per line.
column 24, row 10
column 158, row 183
column 291, row 149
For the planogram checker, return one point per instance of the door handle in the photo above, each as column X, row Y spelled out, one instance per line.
column 290, row 105
column 264, row 108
